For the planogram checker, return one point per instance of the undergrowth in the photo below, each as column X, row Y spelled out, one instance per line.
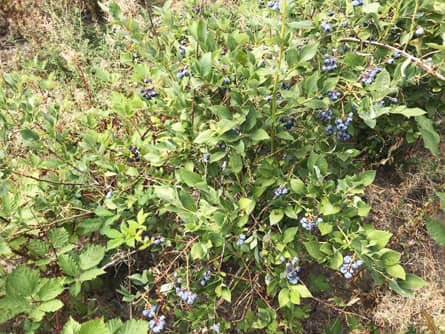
column 207, row 163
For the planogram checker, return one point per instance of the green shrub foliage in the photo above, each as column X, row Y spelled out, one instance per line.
column 227, row 147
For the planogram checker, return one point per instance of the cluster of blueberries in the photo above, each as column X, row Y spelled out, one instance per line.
column 369, row 75
column 181, row 48
column 275, row 4
column 310, row 223
column 329, row 64
column 280, row 191
column 158, row 240
column 288, row 122
column 134, row 150
column 186, row 295
column 356, row 3
column 148, row 92
column 242, row 237
column 325, row 115
column 150, row 313
column 348, row 267
column 205, row 278
column 182, row 72
column 326, row 27
column 157, row 324
column 341, row 128
column 292, row 271
column 333, row 95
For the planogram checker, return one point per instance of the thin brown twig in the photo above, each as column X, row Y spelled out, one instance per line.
column 55, row 182
column 413, row 59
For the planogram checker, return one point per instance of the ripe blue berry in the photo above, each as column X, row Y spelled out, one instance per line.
column 356, row 3
column 347, row 259
column 396, row 54
column 390, row 61
column 326, row 27
column 206, row 158
column 419, row 31
column 281, row 190
column 215, row 328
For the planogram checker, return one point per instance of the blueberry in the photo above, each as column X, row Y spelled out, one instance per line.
column 326, row 27
column 390, row 61
column 215, row 328
column 419, row 31
column 347, row 259
column 348, row 275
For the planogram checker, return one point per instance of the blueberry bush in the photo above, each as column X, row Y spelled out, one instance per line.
column 228, row 147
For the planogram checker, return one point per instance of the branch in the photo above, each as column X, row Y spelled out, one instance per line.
column 413, row 59
column 55, row 182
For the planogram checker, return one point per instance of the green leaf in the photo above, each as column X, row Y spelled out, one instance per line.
column 91, row 274
column 289, row 234
column 68, row 265
column 313, row 248
column 366, row 178
column 436, row 230
column 50, row 288
column 205, row 64
column 297, row 186
column 223, row 292
column 283, row 297
column 259, row 135
column 308, row 52
column 408, row 112
column 197, row 251
column 275, row 216
column 114, row 325
column 22, row 282
column 430, row 137
column 371, row 7
column 303, row 291
column 134, row 327
column 264, row 318
column 396, row 271
column 412, row 282
column 51, row 306
column 235, row 162
column 29, row 135
column 380, row 238
column 393, row 284
column 247, row 205
column 58, row 237
column 91, row 256
column 324, row 228
column 190, row 178
column 294, row 296
column 391, row 257
column 71, row 327
column 94, row 327
column 326, row 208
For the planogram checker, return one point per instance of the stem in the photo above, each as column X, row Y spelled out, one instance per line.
column 277, row 75
column 413, row 59
column 411, row 28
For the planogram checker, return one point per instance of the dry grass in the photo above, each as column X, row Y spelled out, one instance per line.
column 400, row 202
